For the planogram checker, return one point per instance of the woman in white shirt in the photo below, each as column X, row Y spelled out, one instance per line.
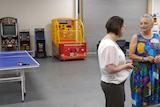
column 113, row 66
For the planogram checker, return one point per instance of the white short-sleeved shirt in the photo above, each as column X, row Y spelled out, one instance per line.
column 110, row 53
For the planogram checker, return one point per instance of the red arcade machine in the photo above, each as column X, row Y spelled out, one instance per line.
column 9, row 34
column 68, row 39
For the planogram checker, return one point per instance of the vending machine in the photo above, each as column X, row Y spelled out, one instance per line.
column 9, row 34
column 40, row 43
column 68, row 39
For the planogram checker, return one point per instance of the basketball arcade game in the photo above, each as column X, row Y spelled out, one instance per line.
column 9, row 34
column 68, row 39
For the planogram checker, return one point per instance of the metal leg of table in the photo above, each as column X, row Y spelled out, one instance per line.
column 23, row 88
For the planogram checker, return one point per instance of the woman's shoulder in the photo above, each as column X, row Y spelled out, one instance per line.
column 107, row 41
column 135, row 36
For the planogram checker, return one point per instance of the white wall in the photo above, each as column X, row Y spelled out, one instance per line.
column 97, row 12
column 155, row 9
column 155, row 6
column 33, row 14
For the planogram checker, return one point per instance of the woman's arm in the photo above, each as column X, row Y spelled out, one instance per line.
column 112, row 68
column 132, row 49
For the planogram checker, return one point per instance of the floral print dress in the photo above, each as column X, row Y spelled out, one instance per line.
column 144, row 80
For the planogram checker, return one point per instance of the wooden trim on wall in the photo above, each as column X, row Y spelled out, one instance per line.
column 80, row 10
column 149, row 6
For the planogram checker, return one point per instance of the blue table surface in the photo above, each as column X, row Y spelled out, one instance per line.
column 12, row 59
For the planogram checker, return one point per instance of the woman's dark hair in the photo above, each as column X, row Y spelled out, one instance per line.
column 114, row 25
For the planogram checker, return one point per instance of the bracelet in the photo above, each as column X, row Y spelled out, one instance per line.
column 142, row 59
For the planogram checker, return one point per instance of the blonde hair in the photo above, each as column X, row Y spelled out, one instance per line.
column 148, row 16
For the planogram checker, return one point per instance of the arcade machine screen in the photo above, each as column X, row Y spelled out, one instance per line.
column 24, row 35
column 40, row 35
column 9, row 30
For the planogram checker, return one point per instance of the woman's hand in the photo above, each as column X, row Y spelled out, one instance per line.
column 129, row 65
column 149, row 59
column 157, row 59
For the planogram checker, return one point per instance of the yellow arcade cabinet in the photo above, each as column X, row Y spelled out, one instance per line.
column 68, row 39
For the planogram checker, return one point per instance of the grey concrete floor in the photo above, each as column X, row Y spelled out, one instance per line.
column 59, row 84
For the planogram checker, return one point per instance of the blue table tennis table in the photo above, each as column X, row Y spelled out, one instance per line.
column 16, row 62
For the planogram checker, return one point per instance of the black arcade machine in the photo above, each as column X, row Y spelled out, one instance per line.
column 40, row 43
